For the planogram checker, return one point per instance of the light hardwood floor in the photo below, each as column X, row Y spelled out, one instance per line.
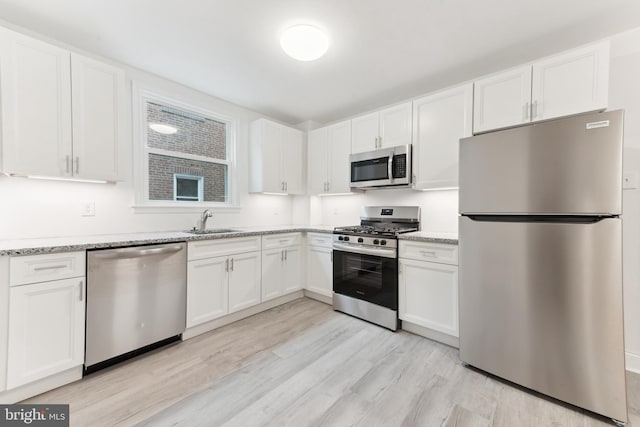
column 304, row 364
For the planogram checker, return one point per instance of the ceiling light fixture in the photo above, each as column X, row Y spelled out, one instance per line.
column 162, row 128
column 304, row 42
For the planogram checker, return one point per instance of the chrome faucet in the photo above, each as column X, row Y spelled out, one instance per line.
column 206, row 214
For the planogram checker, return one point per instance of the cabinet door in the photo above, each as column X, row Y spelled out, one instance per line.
column 98, row 95
column 364, row 133
column 292, row 269
column 35, row 80
column 571, row 83
column 320, row 270
column 318, row 161
column 266, row 157
column 294, row 161
column 428, row 295
column 395, row 125
column 46, row 329
column 339, row 147
column 502, row 100
column 244, row 281
column 207, row 287
column 272, row 273
column 440, row 120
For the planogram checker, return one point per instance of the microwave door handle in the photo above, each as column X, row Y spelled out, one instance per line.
column 390, row 166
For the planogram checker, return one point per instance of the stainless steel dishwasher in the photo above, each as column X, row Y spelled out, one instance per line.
column 136, row 301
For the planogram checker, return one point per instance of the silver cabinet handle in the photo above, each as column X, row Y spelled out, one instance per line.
column 281, row 256
column 231, row 264
column 67, row 158
column 49, row 267
column 285, row 254
column 379, row 142
column 226, row 265
column 331, row 256
column 77, row 165
column 328, row 186
column 80, row 291
column 428, row 253
column 534, row 112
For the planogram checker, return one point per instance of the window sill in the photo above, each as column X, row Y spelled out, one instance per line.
column 170, row 209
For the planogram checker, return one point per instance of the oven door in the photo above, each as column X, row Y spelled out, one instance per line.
column 366, row 277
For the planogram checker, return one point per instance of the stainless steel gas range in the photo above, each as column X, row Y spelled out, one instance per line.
column 365, row 263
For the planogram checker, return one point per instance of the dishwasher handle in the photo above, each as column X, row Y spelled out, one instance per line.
column 127, row 253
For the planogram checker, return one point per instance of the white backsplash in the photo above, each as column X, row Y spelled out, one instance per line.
column 439, row 209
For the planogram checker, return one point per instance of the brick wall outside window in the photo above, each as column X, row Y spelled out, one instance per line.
column 196, row 135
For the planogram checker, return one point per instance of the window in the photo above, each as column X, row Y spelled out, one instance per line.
column 187, row 187
column 184, row 155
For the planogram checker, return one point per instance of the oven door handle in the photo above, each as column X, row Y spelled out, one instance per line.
column 358, row 249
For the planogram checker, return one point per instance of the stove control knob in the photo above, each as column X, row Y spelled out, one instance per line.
column 360, row 240
column 383, row 242
column 340, row 238
column 376, row 241
column 346, row 238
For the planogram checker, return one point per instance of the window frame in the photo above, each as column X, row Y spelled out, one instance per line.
column 141, row 96
column 197, row 178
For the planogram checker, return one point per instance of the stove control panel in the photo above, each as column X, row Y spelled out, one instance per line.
column 365, row 241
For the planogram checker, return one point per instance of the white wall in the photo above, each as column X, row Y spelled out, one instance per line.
column 624, row 92
column 32, row 208
column 439, row 209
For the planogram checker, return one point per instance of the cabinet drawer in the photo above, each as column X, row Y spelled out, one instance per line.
column 219, row 247
column 43, row 268
column 319, row 239
column 435, row 252
column 281, row 240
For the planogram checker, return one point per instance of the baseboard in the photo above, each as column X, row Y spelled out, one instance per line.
column 633, row 362
column 38, row 387
column 318, row 297
column 431, row 334
column 234, row 317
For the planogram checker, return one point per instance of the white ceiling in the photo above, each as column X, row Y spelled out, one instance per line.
column 382, row 51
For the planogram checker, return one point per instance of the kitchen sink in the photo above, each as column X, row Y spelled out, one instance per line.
column 214, row 231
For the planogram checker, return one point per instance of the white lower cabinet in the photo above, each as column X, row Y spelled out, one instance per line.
column 428, row 291
column 244, row 281
column 207, row 290
column 46, row 321
column 320, row 264
column 223, row 276
column 281, row 265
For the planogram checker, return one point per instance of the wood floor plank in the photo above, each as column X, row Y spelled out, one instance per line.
column 302, row 364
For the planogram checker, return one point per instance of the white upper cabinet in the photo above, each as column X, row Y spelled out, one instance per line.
column 385, row 128
column 278, row 158
column 98, row 93
column 62, row 113
column 569, row 83
column 502, row 100
column 329, row 149
column 35, row 86
column 439, row 121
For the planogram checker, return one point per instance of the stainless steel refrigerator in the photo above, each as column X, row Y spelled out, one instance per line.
column 541, row 258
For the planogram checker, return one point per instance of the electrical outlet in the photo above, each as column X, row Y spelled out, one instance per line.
column 88, row 209
column 630, row 180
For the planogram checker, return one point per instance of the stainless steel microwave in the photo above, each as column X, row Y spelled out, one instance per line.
column 387, row 167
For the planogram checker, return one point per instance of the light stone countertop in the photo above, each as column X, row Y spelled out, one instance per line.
column 431, row 237
column 101, row 241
